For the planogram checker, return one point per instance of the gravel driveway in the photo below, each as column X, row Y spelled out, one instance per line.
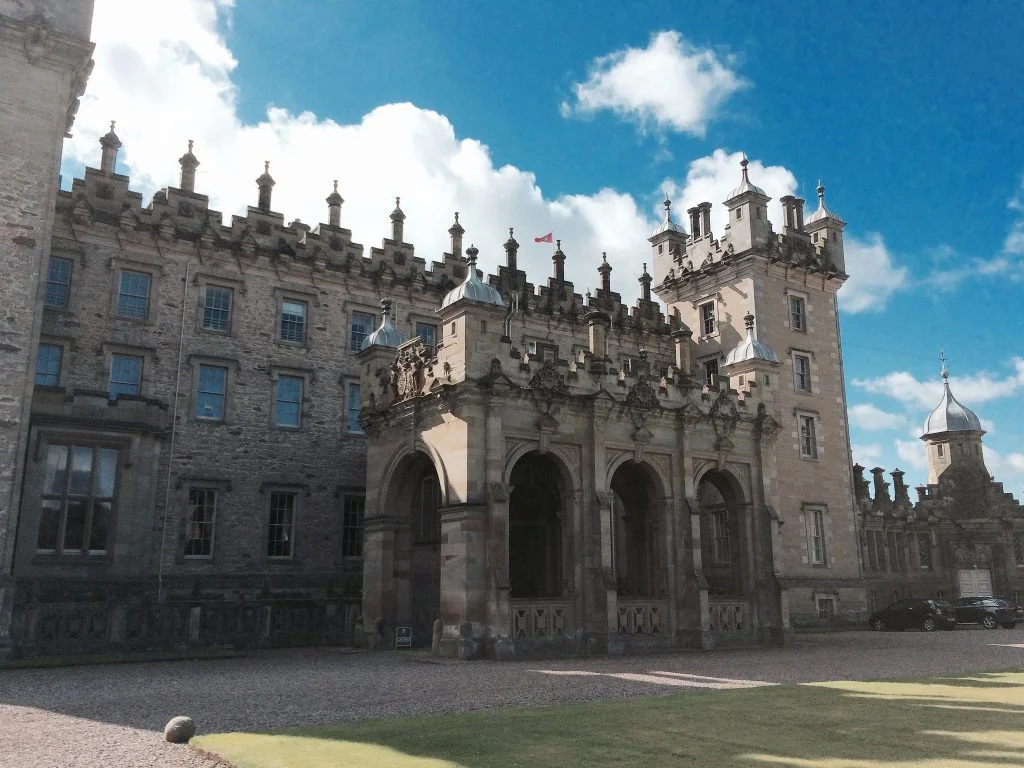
column 110, row 716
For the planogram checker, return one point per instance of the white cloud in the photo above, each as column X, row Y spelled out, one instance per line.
column 1007, row 469
column 969, row 390
column 670, row 84
column 872, row 418
column 912, row 453
column 713, row 177
column 867, row 455
column 873, row 276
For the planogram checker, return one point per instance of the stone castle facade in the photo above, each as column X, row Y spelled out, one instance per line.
column 238, row 429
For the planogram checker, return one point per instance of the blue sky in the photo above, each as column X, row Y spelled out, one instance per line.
column 578, row 117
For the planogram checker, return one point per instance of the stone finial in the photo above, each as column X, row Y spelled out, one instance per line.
column 334, row 201
column 109, row 144
column 397, row 221
column 265, row 182
column 645, row 284
column 456, row 231
column 188, row 163
column 748, row 321
column 511, row 252
column 559, row 262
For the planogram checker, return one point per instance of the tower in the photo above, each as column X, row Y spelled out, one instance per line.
column 953, row 434
column 789, row 281
column 44, row 64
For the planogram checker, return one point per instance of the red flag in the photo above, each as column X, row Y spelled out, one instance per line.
column 545, row 239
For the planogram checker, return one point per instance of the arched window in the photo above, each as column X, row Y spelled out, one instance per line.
column 426, row 522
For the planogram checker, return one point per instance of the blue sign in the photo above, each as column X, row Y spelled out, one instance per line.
column 403, row 637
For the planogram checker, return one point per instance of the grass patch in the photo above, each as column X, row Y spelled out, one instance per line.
column 958, row 722
column 198, row 654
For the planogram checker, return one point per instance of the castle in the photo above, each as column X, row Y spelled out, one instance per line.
column 246, row 430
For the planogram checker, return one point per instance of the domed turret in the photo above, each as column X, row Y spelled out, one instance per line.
column 950, row 415
column 750, row 348
column 745, row 185
column 386, row 335
column 823, row 213
column 668, row 225
column 473, row 288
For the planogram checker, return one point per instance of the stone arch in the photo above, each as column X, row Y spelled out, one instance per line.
column 638, row 503
column 723, row 529
column 394, row 463
column 569, row 473
column 538, row 525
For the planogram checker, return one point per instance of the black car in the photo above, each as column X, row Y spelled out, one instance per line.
column 928, row 615
column 990, row 612
column 1016, row 606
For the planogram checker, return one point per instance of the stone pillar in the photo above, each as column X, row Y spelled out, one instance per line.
column 379, row 607
column 705, row 219
column 188, row 163
column 598, row 324
column 463, row 580
column 694, row 214
column 334, row 201
column 682, row 341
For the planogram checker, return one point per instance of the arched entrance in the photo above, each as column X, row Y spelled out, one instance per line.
column 720, row 534
column 415, row 500
column 639, row 560
column 535, row 528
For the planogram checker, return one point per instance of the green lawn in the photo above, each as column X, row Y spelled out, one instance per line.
column 955, row 722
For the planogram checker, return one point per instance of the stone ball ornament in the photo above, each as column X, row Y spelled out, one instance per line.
column 179, row 730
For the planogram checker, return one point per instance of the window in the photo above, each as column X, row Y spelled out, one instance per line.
column 133, row 295
column 428, row 335
column 293, row 321
column 360, row 328
column 217, row 309
column 426, row 518
column 739, row 214
column 808, row 439
column 210, row 392
column 1018, row 548
column 797, row 313
column 58, row 283
column 281, row 532
column 48, row 365
column 826, row 608
column 816, row 536
column 924, row 550
column 125, row 375
column 707, row 318
column 352, row 526
column 288, row 401
column 78, row 499
column 201, row 514
column 938, row 448
column 721, row 543
column 880, row 547
column 802, row 373
column 352, row 408
column 710, row 371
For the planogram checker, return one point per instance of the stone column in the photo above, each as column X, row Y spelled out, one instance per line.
column 463, row 580
column 379, row 607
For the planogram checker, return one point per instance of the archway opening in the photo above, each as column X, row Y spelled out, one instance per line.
column 719, row 528
column 638, row 558
column 535, row 528
column 416, row 502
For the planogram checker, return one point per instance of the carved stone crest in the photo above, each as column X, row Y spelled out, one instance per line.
column 548, row 380
column 408, row 372
column 642, row 396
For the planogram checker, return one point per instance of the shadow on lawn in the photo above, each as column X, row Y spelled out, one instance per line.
column 956, row 722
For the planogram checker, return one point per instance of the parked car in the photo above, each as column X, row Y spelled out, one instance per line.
column 990, row 612
column 928, row 615
column 1017, row 606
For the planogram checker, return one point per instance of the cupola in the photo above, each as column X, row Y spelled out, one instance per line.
column 750, row 348
column 473, row 288
column 386, row 335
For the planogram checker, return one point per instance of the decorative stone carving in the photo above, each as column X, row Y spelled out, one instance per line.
column 548, row 381
column 410, row 369
column 765, row 426
column 642, row 396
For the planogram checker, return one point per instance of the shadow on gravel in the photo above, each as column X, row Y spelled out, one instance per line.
column 923, row 724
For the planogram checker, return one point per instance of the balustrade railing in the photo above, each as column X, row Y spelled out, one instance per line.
column 643, row 617
column 729, row 614
column 542, row 618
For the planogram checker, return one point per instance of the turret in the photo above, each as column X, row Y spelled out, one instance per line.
column 825, row 228
column 109, row 144
column 265, row 182
column 456, row 231
column 397, row 221
column 188, row 163
column 748, row 214
column 953, row 435
column 558, row 260
column 605, row 271
column 334, row 201
column 668, row 239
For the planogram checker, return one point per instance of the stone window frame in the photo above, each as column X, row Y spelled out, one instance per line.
column 816, row 521
column 829, row 599
column 120, row 264
column 702, row 368
column 66, row 306
column 149, row 358
column 222, row 487
column 348, row 382
column 299, row 492
column 276, row 371
column 194, row 362
column 347, row 541
column 204, row 280
column 298, row 294
column 814, row 419
column 804, row 297
column 33, row 500
column 352, row 307
column 61, row 345
column 807, row 355
column 1017, row 544
column 919, row 537
column 715, row 300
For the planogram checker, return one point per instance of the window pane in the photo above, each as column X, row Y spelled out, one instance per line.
column 74, row 528
column 125, row 375
column 362, row 324
column 56, row 469
column 210, row 392
column 288, row 401
column 293, row 321
column 58, row 283
column 427, row 334
column 354, row 407
column 202, row 503
column 106, row 472
column 101, row 514
column 133, row 297
column 282, row 511
column 217, row 309
column 49, row 526
column 352, row 527
column 81, row 471
column 48, row 365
